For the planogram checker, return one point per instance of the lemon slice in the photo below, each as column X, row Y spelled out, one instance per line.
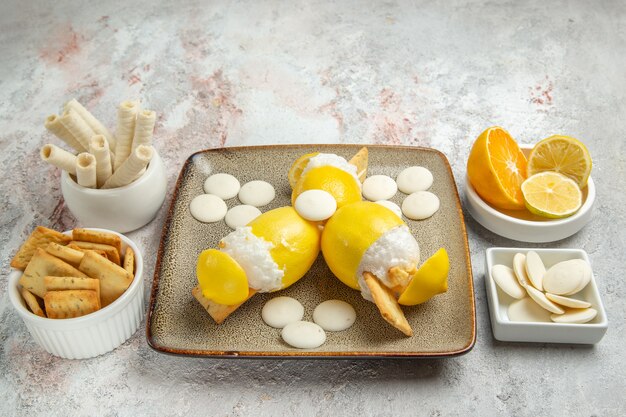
column 298, row 166
column 429, row 280
column 562, row 154
column 221, row 278
column 550, row 194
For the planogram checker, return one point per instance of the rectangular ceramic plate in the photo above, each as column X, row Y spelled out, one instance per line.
column 177, row 324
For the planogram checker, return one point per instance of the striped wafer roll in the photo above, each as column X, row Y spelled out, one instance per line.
column 54, row 126
column 93, row 123
column 77, row 127
column 128, row 171
column 58, row 157
column 99, row 148
column 126, row 114
column 144, row 126
column 86, row 170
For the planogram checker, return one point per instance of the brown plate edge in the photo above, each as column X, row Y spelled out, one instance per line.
column 299, row 354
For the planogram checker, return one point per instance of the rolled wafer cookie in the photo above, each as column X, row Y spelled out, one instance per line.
column 93, row 123
column 54, row 126
column 75, row 124
column 86, row 170
column 126, row 115
column 144, row 126
column 99, row 148
column 129, row 170
column 58, row 157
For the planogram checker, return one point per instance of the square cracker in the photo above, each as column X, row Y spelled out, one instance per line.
column 71, row 303
column 71, row 283
column 387, row 304
column 360, row 161
column 112, row 254
column 39, row 238
column 32, row 302
column 97, row 236
column 42, row 264
column 218, row 312
column 114, row 279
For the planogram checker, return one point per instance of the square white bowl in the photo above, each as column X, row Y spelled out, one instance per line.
column 506, row 330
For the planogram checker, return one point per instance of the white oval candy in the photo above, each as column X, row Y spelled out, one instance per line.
column 567, row 277
column 208, row 208
column 224, row 186
column 575, row 316
column 506, row 280
column 257, row 193
column 280, row 311
column 535, row 269
column 303, row 335
column 334, row 315
column 542, row 301
column 315, row 205
column 519, row 266
column 391, row 206
column 379, row 187
column 420, row 205
column 414, row 179
column 567, row 302
column 241, row 215
column 527, row 310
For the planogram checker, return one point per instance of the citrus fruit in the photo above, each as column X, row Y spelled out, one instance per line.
column 221, row 278
column 562, row 154
column 298, row 166
column 550, row 194
column 340, row 184
column 429, row 280
column 496, row 169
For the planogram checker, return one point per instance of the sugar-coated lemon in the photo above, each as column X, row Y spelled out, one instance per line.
column 339, row 183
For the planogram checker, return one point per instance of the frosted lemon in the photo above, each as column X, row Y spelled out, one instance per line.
column 271, row 253
column 429, row 280
column 551, row 194
column 561, row 154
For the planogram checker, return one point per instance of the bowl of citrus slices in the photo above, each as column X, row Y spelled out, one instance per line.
column 538, row 193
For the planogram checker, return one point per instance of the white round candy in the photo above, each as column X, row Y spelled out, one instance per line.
column 303, row 335
column 543, row 302
column 379, row 187
column 241, row 215
column 334, row 315
column 519, row 266
column 208, row 208
column 414, row 179
column 535, row 269
column 420, row 205
column 506, row 280
column 567, row 302
column 567, row 277
column 391, row 206
column 280, row 311
column 315, row 205
column 575, row 316
column 224, row 186
column 257, row 193
column 527, row 310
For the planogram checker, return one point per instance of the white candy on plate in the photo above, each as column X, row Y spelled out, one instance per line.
column 527, row 310
column 506, row 280
column 303, row 335
column 241, row 215
column 223, row 185
column 379, row 187
column 315, row 205
column 334, row 315
column 542, row 301
column 535, row 269
column 567, row 302
column 280, row 311
column 208, row 208
column 577, row 316
column 414, row 179
column 257, row 193
column 391, row 206
column 420, row 205
column 567, row 277
column 519, row 266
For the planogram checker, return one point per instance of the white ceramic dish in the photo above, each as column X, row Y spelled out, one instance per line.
column 91, row 335
column 121, row 209
column 505, row 330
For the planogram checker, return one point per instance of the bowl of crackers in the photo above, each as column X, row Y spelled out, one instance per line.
column 79, row 292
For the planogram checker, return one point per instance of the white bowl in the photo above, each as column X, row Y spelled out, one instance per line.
column 537, row 230
column 506, row 330
column 121, row 209
column 91, row 335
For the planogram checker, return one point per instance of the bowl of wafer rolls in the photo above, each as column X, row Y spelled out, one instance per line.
column 79, row 292
column 112, row 181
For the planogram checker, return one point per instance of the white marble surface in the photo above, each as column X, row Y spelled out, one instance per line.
column 429, row 73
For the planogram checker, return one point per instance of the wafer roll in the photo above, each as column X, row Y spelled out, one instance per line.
column 144, row 126
column 58, row 157
column 99, row 148
column 93, row 123
column 54, row 126
column 75, row 124
column 126, row 114
column 129, row 170
column 86, row 170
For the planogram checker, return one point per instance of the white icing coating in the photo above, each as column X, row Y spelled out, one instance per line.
column 420, row 205
column 303, row 335
column 379, row 187
column 241, row 215
column 414, row 179
column 208, row 208
column 224, row 186
column 252, row 254
column 396, row 247
column 315, row 205
column 257, row 193
column 391, row 206
column 334, row 315
column 280, row 311
column 330, row 159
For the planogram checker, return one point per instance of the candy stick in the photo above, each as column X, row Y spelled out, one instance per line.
column 128, row 171
column 126, row 113
column 99, row 148
column 93, row 123
column 59, row 158
column 86, row 170
column 144, row 126
column 77, row 127
column 54, row 126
